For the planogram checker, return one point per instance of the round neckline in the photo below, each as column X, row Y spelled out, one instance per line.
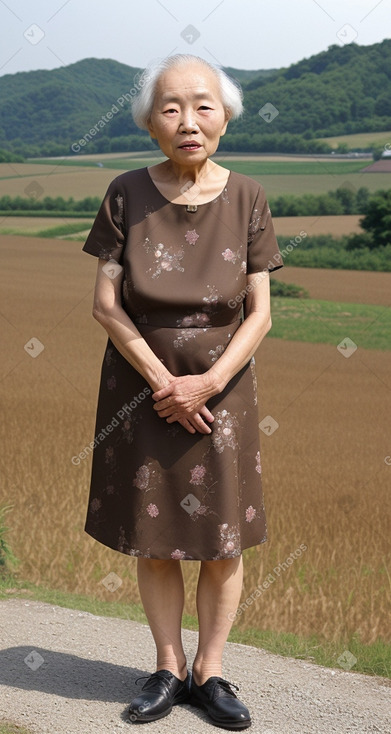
column 205, row 203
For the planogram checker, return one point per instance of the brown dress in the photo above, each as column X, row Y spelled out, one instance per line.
column 157, row 490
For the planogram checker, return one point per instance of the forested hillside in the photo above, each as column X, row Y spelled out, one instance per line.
column 339, row 91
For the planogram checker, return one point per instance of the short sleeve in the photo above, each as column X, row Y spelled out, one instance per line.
column 107, row 236
column 263, row 252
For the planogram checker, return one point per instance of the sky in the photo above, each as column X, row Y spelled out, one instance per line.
column 244, row 34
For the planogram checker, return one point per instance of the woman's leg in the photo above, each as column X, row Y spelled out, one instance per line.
column 162, row 594
column 218, row 595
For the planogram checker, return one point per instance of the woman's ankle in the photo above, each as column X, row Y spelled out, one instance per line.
column 180, row 671
column 204, row 670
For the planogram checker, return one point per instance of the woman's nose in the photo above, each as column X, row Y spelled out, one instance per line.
column 188, row 122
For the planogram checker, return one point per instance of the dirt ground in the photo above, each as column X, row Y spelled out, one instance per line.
column 70, row 672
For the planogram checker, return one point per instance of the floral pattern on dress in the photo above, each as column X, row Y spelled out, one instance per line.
column 224, row 431
column 152, row 510
column 191, row 236
column 167, row 258
column 95, row 504
column 124, row 547
column 147, row 476
column 119, row 217
column 223, row 196
column 230, row 256
column 109, row 356
column 251, row 514
column 197, row 474
column 194, row 319
column 128, row 427
column 258, row 467
column 110, row 458
column 213, row 297
column 256, row 223
column 229, row 545
column 201, row 511
column 111, row 383
column 178, row 555
column 184, row 336
column 216, row 353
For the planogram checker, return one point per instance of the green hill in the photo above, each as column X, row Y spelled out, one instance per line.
column 340, row 91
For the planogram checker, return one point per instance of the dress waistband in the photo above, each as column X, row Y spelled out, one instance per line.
column 204, row 327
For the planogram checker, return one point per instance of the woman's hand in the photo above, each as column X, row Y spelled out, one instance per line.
column 183, row 400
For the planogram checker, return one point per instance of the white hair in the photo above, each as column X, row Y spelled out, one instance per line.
column 142, row 103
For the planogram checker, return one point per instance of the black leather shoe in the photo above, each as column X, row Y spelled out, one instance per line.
column 161, row 692
column 218, row 699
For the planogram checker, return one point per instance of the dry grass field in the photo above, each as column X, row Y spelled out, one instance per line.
column 346, row 286
column 56, row 180
column 334, row 225
column 325, row 477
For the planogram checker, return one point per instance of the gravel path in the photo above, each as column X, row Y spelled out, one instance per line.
column 70, row 672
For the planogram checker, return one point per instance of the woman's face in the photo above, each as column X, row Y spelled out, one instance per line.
column 188, row 107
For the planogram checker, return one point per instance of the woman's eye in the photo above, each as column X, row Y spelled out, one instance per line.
column 170, row 110
column 205, row 107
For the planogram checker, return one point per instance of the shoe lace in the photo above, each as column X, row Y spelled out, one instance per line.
column 227, row 686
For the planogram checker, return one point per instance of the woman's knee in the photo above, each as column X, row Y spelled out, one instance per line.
column 157, row 565
column 223, row 567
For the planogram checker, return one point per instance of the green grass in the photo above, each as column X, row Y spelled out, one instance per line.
column 124, row 163
column 46, row 213
column 329, row 322
column 296, row 168
column 62, row 230
column 8, row 727
column 249, row 168
column 374, row 659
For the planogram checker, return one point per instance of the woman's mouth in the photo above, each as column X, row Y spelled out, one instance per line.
column 190, row 146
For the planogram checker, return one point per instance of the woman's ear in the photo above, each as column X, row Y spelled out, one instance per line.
column 228, row 116
column 150, row 128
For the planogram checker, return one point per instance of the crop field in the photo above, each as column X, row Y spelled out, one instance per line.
column 90, row 176
column 32, row 225
column 326, row 467
column 360, row 140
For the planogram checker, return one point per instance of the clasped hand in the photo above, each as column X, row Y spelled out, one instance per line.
column 183, row 400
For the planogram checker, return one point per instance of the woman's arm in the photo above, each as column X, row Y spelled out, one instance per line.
column 108, row 311
column 183, row 394
column 246, row 340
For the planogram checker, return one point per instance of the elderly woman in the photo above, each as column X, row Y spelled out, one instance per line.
column 185, row 248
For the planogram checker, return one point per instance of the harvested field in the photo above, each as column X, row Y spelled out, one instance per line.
column 351, row 286
column 380, row 166
column 325, row 469
column 57, row 181
column 334, row 225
